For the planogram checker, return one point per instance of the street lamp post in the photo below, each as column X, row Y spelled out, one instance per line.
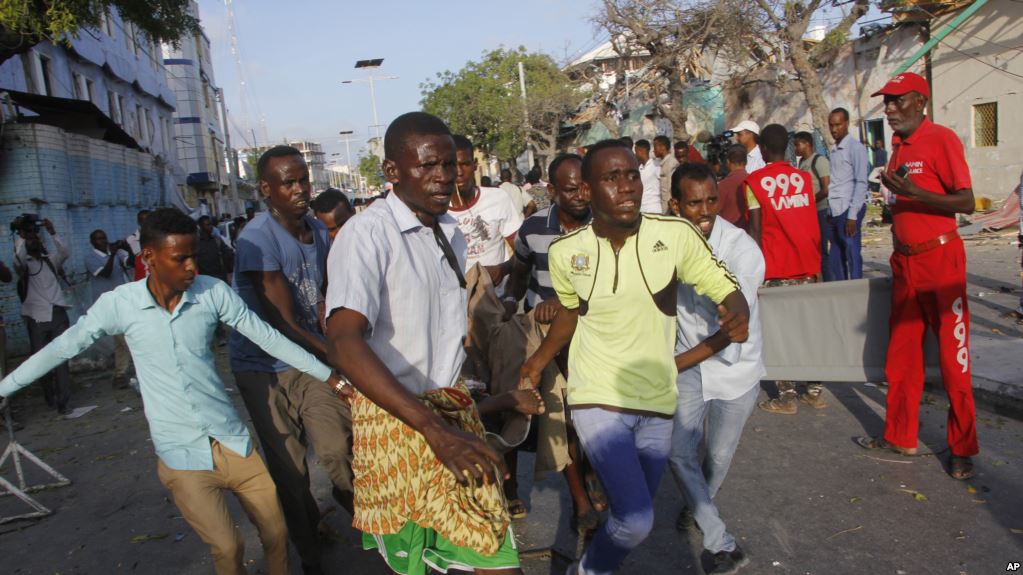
column 371, row 65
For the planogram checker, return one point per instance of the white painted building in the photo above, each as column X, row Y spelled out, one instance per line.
column 198, row 124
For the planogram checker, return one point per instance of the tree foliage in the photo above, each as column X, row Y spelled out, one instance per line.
column 484, row 102
column 24, row 23
column 369, row 167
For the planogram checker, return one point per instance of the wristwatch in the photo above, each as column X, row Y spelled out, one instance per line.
column 341, row 385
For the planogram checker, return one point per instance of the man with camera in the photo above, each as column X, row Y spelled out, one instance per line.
column 108, row 264
column 43, row 303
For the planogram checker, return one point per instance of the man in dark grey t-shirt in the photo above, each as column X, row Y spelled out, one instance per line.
column 279, row 272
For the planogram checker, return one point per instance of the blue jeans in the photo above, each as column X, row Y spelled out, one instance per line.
column 699, row 484
column 846, row 261
column 822, row 223
column 629, row 453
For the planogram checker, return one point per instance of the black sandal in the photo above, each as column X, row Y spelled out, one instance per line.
column 961, row 468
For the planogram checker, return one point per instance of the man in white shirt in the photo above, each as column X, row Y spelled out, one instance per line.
column 426, row 484
column 486, row 216
column 650, row 174
column 522, row 200
column 747, row 133
column 108, row 265
column 667, row 163
column 44, row 305
column 718, row 382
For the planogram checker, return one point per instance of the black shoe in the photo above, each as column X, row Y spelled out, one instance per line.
column 63, row 410
column 727, row 562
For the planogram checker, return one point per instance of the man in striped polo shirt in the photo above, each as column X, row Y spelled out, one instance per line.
column 531, row 278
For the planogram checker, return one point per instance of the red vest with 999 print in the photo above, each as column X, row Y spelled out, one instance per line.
column 790, row 236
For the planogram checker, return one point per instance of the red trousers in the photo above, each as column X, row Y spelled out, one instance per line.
column 929, row 290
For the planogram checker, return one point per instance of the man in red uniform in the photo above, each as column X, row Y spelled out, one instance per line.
column 931, row 182
column 783, row 220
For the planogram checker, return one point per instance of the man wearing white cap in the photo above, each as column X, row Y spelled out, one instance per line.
column 747, row 134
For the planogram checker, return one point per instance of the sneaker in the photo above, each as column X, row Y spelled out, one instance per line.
column 814, row 400
column 785, row 405
column 727, row 562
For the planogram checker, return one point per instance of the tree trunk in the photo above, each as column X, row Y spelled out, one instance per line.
column 674, row 110
column 12, row 45
column 812, row 89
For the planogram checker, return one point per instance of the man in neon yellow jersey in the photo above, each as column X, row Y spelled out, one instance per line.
column 617, row 279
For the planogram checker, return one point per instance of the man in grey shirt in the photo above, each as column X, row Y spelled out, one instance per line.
column 820, row 172
column 847, row 197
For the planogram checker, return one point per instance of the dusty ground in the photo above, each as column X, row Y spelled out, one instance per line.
column 801, row 497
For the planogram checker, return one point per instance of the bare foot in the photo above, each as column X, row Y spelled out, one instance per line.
column 527, row 401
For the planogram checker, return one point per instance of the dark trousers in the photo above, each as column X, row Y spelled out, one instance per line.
column 289, row 410
column 846, row 261
column 56, row 384
column 825, row 227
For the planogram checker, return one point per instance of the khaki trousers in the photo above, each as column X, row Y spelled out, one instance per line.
column 199, row 496
column 288, row 410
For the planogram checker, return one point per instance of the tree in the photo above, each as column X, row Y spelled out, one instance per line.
column 674, row 34
column 25, row 23
column 789, row 21
column 369, row 167
column 483, row 101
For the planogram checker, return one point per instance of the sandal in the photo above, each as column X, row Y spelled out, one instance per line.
column 516, row 509
column 586, row 523
column 961, row 468
column 879, row 443
column 595, row 491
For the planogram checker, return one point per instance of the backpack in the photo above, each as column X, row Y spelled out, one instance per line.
column 813, row 166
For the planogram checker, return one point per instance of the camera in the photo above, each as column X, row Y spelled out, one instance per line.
column 717, row 147
column 26, row 223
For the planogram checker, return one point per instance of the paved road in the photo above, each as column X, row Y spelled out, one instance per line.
column 801, row 497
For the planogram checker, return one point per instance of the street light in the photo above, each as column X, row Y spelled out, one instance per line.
column 371, row 65
column 347, row 135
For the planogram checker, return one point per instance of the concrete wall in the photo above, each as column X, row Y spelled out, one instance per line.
column 79, row 183
column 993, row 35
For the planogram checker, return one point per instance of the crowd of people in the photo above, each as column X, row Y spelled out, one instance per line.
column 632, row 277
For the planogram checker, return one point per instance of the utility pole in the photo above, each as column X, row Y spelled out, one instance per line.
column 232, row 175
column 347, row 135
column 371, row 65
column 525, row 115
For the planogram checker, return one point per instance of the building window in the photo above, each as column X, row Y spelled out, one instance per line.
column 114, row 104
column 107, row 23
column 44, row 70
column 77, row 86
column 985, row 125
column 90, row 91
column 143, row 124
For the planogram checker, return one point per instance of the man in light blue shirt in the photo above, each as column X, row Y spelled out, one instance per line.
column 847, row 198
column 718, row 382
column 203, row 445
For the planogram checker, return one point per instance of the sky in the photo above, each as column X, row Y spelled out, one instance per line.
column 295, row 54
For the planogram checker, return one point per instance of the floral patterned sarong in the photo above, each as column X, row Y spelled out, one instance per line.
column 399, row 479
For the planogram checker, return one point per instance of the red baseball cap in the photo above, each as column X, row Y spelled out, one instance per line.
column 903, row 84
